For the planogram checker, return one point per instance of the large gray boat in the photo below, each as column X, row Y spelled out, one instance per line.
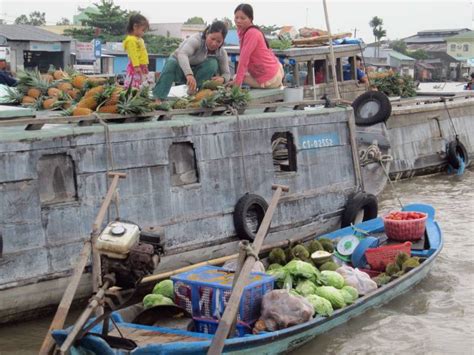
column 414, row 136
column 185, row 177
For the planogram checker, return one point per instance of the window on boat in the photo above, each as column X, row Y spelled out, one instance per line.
column 465, row 47
column 453, row 47
column 183, row 167
column 319, row 72
column 56, row 179
column 283, row 152
column 339, row 68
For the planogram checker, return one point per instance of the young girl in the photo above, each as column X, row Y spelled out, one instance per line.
column 199, row 58
column 258, row 66
column 137, row 68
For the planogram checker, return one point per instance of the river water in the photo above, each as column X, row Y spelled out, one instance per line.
column 436, row 317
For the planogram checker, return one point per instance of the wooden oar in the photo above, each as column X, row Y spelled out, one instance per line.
column 68, row 296
column 232, row 307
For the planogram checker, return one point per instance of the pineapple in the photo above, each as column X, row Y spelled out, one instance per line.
column 204, row 93
column 31, row 79
column 28, row 100
column 64, row 86
column 73, row 93
column 59, row 74
column 54, row 92
column 94, row 90
column 49, row 103
column 211, row 85
column 79, row 81
column 34, row 93
column 180, row 104
column 108, row 109
column 87, row 102
column 133, row 104
column 81, row 111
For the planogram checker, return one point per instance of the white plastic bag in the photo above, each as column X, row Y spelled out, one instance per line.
column 360, row 280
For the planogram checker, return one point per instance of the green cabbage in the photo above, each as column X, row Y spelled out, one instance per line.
column 302, row 270
column 332, row 294
column 306, row 288
column 164, row 288
column 347, row 296
column 332, row 278
column 352, row 291
column 152, row 300
column 283, row 279
column 321, row 305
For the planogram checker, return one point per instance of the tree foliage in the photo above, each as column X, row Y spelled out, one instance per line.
column 110, row 22
column 376, row 23
column 63, row 22
column 109, row 25
column 35, row 18
column 401, row 46
column 195, row 21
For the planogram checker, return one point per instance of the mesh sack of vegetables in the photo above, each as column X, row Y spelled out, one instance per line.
column 281, row 309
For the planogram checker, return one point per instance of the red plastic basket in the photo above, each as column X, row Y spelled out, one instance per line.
column 404, row 230
column 379, row 258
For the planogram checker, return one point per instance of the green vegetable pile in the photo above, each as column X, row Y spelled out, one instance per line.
column 162, row 295
column 402, row 264
column 322, row 286
column 395, row 85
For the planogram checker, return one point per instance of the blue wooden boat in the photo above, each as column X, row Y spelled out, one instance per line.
column 161, row 340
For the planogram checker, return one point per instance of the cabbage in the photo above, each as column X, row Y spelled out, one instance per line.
column 333, row 295
column 301, row 269
column 152, row 300
column 164, row 288
column 347, row 296
column 352, row 291
column 321, row 305
column 332, row 278
column 283, row 278
column 306, row 288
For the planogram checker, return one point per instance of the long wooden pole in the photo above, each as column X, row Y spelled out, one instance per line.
column 331, row 52
column 68, row 296
column 66, row 301
column 232, row 307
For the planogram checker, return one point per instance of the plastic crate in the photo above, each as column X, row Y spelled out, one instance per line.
column 379, row 258
column 209, row 326
column 205, row 291
column 405, row 230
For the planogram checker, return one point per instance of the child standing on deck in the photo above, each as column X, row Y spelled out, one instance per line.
column 137, row 68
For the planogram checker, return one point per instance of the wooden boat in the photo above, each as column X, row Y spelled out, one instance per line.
column 163, row 340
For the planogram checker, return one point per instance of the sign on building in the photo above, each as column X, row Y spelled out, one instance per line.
column 45, row 46
column 5, row 54
column 85, row 51
column 97, row 47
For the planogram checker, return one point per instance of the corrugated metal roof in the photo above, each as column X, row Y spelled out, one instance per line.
column 400, row 56
column 30, row 33
column 465, row 35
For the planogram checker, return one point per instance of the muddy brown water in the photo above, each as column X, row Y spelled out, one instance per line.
column 436, row 317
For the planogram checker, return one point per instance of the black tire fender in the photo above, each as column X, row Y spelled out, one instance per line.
column 456, row 148
column 371, row 107
column 359, row 201
column 250, row 208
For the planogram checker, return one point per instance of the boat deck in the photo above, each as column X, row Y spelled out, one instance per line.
column 153, row 336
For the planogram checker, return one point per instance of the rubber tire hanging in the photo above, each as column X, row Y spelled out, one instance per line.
column 256, row 206
column 456, row 148
column 384, row 108
column 357, row 202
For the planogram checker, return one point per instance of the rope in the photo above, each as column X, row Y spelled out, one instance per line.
column 374, row 155
column 110, row 160
column 236, row 114
column 249, row 251
column 450, row 118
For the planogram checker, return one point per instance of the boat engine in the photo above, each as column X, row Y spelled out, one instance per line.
column 128, row 253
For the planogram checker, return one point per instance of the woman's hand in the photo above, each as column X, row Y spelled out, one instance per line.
column 191, row 82
column 218, row 79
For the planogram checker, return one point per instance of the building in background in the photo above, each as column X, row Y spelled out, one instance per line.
column 461, row 47
column 32, row 47
column 386, row 58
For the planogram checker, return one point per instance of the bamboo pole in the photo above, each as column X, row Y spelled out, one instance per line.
column 232, row 307
column 331, row 52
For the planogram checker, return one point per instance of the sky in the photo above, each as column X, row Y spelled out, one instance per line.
column 401, row 18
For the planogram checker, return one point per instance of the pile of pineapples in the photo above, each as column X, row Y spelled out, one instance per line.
column 211, row 95
column 77, row 94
